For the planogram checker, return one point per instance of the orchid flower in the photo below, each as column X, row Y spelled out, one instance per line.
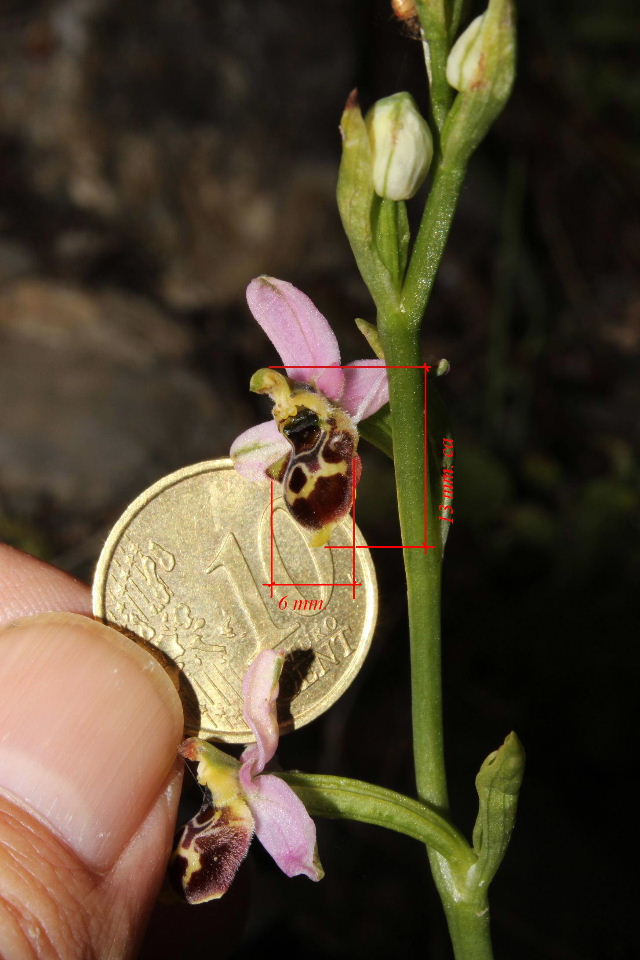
column 242, row 800
column 310, row 445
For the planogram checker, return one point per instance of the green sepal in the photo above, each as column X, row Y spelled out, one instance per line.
column 498, row 785
column 356, row 198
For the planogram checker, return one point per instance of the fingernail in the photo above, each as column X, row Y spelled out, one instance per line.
column 89, row 728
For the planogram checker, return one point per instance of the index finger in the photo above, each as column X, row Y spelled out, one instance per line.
column 29, row 586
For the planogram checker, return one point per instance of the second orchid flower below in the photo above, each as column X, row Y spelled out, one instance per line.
column 240, row 800
column 310, row 445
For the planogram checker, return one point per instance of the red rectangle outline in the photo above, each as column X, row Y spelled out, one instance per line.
column 273, row 583
column 353, row 546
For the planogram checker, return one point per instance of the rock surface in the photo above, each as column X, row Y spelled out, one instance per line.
column 95, row 396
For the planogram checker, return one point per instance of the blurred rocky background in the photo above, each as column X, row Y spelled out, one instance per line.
column 154, row 156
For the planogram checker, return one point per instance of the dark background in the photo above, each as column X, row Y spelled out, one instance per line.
column 154, row 156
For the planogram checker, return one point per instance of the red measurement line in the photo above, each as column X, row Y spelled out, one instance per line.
column 358, row 584
column 272, row 542
column 353, row 524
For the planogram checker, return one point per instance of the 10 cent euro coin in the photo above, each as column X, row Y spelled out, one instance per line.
column 209, row 569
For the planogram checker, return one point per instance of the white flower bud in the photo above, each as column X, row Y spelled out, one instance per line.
column 401, row 146
column 482, row 60
column 465, row 59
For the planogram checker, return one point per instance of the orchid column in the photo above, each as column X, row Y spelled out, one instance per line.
column 385, row 159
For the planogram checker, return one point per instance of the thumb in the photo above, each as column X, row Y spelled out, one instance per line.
column 89, row 726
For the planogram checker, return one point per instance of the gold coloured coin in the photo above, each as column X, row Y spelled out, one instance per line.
column 187, row 568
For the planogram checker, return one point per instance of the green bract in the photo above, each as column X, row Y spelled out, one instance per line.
column 498, row 785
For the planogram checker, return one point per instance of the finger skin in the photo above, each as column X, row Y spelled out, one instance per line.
column 29, row 586
column 52, row 907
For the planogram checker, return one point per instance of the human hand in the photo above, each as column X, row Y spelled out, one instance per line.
column 89, row 782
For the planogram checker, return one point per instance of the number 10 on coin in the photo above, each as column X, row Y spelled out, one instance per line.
column 190, row 568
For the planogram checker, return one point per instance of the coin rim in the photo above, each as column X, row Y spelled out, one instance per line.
column 207, row 466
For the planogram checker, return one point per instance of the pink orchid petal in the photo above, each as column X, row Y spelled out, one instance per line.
column 365, row 390
column 298, row 331
column 283, row 826
column 260, row 692
column 258, row 448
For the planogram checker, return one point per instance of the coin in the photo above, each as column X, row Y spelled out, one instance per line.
column 210, row 569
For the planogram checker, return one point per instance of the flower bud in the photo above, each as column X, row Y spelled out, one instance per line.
column 464, row 61
column 498, row 785
column 401, row 146
column 481, row 66
column 482, row 57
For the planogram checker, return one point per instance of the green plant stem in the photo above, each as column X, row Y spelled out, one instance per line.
column 457, row 12
column 465, row 906
column 433, row 20
column 431, row 239
column 469, row 928
column 402, row 347
column 466, row 910
column 461, row 124
column 451, row 857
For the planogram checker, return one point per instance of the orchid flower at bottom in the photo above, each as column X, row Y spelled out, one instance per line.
column 242, row 800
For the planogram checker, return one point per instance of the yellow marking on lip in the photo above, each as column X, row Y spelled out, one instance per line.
column 327, row 470
column 323, row 535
